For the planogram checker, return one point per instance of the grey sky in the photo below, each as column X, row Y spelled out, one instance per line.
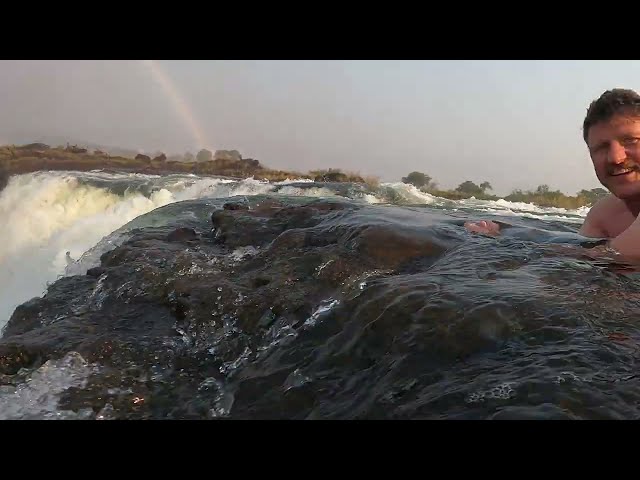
column 513, row 123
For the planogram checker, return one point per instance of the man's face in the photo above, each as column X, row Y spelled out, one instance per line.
column 614, row 146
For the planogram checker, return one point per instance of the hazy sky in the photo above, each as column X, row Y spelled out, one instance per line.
column 516, row 124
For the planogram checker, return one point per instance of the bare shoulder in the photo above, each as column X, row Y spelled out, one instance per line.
column 595, row 224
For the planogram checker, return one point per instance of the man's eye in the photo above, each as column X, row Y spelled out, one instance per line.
column 630, row 141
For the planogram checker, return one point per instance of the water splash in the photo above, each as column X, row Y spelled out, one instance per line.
column 38, row 397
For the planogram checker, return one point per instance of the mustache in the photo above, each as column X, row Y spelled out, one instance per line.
column 628, row 164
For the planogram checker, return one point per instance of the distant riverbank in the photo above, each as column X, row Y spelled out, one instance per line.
column 22, row 159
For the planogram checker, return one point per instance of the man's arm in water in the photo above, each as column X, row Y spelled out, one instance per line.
column 485, row 227
column 626, row 243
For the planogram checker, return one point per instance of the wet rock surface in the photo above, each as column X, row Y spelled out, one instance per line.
column 327, row 309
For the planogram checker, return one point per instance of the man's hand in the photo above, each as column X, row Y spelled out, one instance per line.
column 484, row 227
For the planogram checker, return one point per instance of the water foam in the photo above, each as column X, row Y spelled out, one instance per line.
column 409, row 194
column 502, row 205
column 289, row 181
column 47, row 214
column 38, row 397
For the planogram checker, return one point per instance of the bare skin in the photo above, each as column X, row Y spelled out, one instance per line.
column 609, row 218
column 614, row 147
column 484, row 227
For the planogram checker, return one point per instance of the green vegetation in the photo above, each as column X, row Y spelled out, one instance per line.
column 420, row 180
column 543, row 196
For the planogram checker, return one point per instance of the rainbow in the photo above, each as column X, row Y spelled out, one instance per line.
column 179, row 103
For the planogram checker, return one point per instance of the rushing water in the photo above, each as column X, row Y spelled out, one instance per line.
column 303, row 300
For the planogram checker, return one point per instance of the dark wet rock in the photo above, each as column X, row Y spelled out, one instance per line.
column 96, row 271
column 329, row 309
column 391, row 247
column 235, row 206
column 267, row 319
column 182, row 235
column 261, row 225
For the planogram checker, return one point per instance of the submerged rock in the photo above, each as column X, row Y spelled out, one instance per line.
column 323, row 309
column 182, row 235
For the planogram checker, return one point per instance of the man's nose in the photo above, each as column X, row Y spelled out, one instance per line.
column 617, row 153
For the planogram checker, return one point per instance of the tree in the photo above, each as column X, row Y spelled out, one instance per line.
column 331, row 175
column 594, row 194
column 470, row 188
column 417, row 179
column 542, row 189
column 204, row 155
column 485, row 186
column 188, row 157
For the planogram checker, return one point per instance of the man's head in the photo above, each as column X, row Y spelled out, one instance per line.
column 611, row 130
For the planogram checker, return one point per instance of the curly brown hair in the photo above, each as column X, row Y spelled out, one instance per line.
column 618, row 101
